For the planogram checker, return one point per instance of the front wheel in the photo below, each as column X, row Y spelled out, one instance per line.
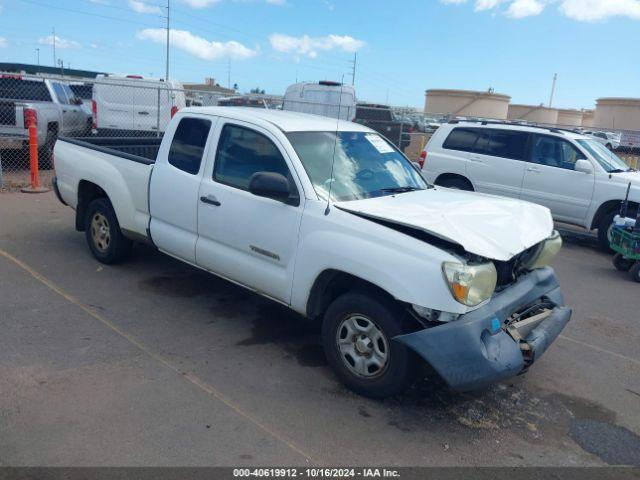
column 102, row 231
column 357, row 334
column 635, row 272
column 622, row 264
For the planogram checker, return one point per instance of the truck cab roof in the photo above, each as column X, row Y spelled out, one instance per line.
column 284, row 120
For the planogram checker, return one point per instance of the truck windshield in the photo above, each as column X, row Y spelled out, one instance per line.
column 365, row 165
column 605, row 157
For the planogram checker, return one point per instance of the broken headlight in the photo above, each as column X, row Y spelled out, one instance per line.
column 470, row 284
column 545, row 253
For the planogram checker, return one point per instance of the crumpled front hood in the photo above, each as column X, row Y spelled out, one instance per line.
column 493, row 227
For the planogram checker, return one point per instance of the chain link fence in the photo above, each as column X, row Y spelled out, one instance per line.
column 137, row 107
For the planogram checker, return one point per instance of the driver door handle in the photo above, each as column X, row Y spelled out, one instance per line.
column 533, row 169
column 210, row 200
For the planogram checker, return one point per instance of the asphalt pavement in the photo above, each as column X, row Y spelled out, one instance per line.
column 154, row 362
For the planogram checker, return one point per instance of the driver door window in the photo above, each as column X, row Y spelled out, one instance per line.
column 554, row 152
column 243, row 152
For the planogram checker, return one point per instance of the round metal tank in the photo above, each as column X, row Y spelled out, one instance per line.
column 569, row 117
column 617, row 113
column 587, row 118
column 533, row 113
column 467, row 103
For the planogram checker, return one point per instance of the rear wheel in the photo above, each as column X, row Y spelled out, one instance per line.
column 622, row 264
column 604, row 231
column 356, row 334
column 103, row 233
column 457, row 183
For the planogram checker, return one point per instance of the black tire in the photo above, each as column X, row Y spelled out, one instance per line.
column 635, row 272
column 457, row 183
column 603, row 230
column 117, row 247
column 45, row 153
column 622, row 264
column 399, row 370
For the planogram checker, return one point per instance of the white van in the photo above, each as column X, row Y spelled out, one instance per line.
column 329, row 99
column 133, row 104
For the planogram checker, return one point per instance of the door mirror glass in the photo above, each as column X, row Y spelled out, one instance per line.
column 584, row 166
column 271, row 185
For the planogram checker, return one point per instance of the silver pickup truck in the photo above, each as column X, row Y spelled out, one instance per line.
column 57, row 111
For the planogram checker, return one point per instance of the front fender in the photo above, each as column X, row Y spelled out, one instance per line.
column 408, row 269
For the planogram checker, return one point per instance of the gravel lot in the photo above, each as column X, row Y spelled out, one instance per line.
column 156, row 363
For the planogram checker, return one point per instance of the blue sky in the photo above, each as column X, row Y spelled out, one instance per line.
column 403, row 47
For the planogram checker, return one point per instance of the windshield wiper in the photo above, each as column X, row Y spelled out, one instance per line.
column 399, row 189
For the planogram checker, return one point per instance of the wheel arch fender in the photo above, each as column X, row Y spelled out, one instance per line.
column 454, row 176
column 106, row 183
column 608, row 206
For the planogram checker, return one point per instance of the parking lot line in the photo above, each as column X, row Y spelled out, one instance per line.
column 601, row 350
column 193, row 379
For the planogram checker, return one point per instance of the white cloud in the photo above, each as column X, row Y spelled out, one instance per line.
column 198, row 46
column 60, row 42
column 524, row 8
column 594, row 10
column 580, row 10
column 310, row 46
column 3, row 42
column 140, row 6
column 200, row 3
column 487, row 4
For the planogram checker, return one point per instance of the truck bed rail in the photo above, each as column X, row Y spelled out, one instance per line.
column 141, row 150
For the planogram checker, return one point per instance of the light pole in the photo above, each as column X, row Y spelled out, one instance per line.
column 166, row 76
column 38, row 56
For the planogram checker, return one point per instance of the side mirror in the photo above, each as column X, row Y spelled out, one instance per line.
column 583, row 166
column 273, row 185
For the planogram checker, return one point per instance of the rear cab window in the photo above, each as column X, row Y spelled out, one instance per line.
column 15, row 88
column 187, row 145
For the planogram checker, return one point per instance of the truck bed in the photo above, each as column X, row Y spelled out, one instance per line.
column 121, row 167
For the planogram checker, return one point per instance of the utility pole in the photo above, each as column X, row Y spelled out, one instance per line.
column 166, row 75
column 54, row 46
column 553, row 89
column 38, row 56
column 353, row 71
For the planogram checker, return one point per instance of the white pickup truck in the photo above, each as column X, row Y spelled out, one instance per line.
column 330, row 219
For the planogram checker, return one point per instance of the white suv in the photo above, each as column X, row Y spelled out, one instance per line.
column 575, row 176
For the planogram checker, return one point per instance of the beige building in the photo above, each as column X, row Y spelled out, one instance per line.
column 617, row 113
column 466, row 103
column 587, row 118
column 569, row 117
column 533, row 113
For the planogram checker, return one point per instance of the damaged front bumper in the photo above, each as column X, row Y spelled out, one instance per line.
column 489, row 343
